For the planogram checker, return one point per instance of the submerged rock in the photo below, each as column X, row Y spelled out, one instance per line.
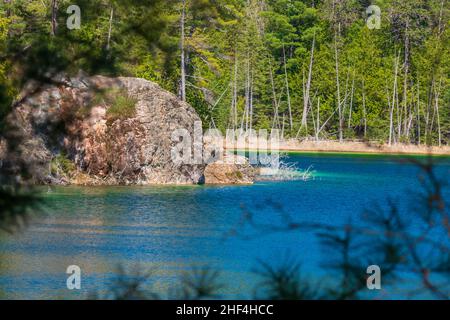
column 100, row 130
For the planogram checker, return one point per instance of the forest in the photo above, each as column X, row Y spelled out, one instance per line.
column 318, row 70
column 314, row 69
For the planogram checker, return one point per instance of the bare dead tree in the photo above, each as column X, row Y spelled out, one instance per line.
column 364, row 108
column 287, row 88
column 182, row 53
column 111, row 16
column 338, row 91
column 392, row 102
column 306, row 92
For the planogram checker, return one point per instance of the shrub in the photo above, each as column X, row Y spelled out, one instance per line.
column 124, row 107
column 61, row 165
column 120, row 104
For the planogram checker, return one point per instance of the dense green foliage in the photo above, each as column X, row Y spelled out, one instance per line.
column 311, row 68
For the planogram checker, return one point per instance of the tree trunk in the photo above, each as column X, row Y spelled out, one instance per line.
column 183, row 63
column 54, row 23
column 391, row 112
column 396, row 103
column 318, row 119
column 440, row 18
column 344, row 102
column 287, row 89
column 108, row 44
column 251, row 101
column 8, row 11
column 308, row 86
column 427, row 115
column 405, row 82
column 436, row 99
column 392, row 103
column 418, row 111
column 247, row 93
column 336, row 56
column 351, row 103
column 364, row 108
column 275, row 103
column 234, row 97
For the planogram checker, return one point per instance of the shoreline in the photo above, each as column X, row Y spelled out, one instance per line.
column 350, row 147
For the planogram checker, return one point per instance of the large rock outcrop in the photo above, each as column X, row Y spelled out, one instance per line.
column 100, row 130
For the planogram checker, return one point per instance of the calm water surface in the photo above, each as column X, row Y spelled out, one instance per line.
column 173, row 229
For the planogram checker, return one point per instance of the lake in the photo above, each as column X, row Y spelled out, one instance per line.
column 169, row 230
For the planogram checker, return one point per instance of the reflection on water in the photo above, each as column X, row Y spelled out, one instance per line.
column 172, row 229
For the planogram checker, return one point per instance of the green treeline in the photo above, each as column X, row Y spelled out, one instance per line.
column 311, row 68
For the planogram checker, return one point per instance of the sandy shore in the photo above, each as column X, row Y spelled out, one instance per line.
column 352, row 147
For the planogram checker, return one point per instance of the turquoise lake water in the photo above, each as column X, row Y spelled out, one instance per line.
column 173, row 229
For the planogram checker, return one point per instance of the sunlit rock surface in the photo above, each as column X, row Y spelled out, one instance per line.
column 233, row 169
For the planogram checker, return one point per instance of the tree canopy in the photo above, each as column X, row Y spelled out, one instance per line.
column 314, row 69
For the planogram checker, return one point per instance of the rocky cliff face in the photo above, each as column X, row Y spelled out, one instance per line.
column 99, row 130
